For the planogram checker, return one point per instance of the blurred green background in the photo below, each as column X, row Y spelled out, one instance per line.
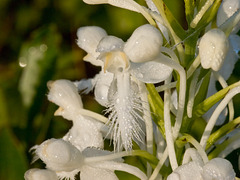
column 38, row 44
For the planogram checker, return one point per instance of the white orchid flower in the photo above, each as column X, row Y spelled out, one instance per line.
column 89, row 39
column 217, row 168
column 116, row 86
column 225, row 71
column 213, row 48
column 189, row 171
column 67, row 161
column 225, row 11
column 86, row 131
column 43, row 174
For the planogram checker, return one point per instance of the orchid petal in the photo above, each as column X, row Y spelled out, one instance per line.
column 86, row 85
column 88, row 172
column 144, row 44
column 64, row 93
column 59, row 155
column 69, row 175
column 110, row 43
column 125, row 4
column 189, row 171
column 226, row 10
column 124, row 115
column 96, row 152
column 92, row 58
column 164, row 30
column 213, row 48
column 86, row 132
column 150, row 72
column 88, row 39
column 229, row 64
column 102, row 88
column 151, row 5
column 43, row 174
column 235, row 42
column 212, row 90
column 112, row 165
column 218, row 168
column 160, row 25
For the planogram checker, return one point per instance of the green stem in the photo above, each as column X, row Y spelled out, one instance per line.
column 221, row 132
column 200, row 14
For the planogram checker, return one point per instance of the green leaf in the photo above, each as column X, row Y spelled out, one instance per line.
column 3, row 110
column 189, row 10
column 144, row 154
column 197, row 128
column 222, row 132
column 190, row 47
column 202, row 93
column 13, row 162
column 230, row 23
column 156, row 105
column 220, row 147
column 188, row 123
column 178, row 29
column 12, row 111
column 203, row 107
column 209, row 15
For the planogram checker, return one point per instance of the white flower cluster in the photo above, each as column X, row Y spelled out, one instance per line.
column 120, row 87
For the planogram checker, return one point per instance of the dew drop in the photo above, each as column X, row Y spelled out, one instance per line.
column 22, row 62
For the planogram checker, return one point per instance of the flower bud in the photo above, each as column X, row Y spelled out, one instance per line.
column 40, row 174
column 144, row 44
column 59, row 155
column 213, row 48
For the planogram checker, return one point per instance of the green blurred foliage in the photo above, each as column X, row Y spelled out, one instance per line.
column 38, row 44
